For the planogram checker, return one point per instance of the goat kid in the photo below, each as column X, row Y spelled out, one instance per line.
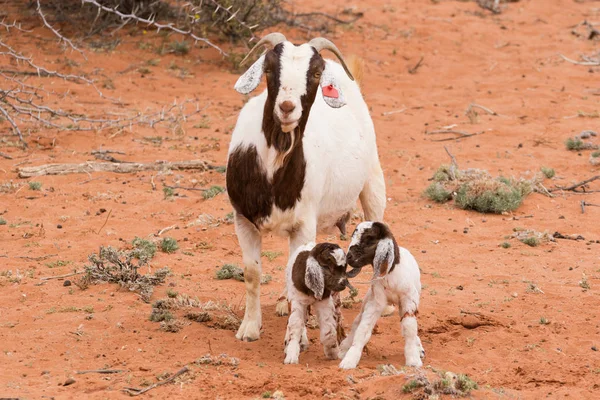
column 396, row 280
column 313, row 274
column 301, row 154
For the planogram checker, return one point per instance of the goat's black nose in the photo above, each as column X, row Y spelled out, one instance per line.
column 287, row 107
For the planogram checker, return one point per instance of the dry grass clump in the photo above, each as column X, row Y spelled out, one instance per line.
column 449, row 383
column 595, row 158
column 532, row 237
column 576, row 144
column 475, row 189
column 221, row 359
column 116, row 266
column 230, row 271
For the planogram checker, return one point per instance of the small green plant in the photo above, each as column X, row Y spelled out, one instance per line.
column 596, row 154
column 438, row 193
column 2, row 221
column 411, row 386
column 271, row 255
column 221, row 169
column 544, row 321
column 212, row 192
column 230, row 271
column 465, row 384
column 531, row 241
column 159, row 315
column 35, row 185
column 266, row 279
column 57, row 264
column 169, row 245
column 267, row 395
column 180, row 48
column 576, row 144
column 548, row 172
column 505, row 245
column 144, row 250
column 171, row 293
column 490, row 196
column 168, row 192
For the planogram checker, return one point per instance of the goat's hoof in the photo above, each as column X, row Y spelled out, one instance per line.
column 249, row 331
column 281, row 308
column 351, row 359
column 414, row 363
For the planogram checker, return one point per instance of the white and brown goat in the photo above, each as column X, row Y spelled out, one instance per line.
column 396, row 280
column 301, row 154
column 314, row 273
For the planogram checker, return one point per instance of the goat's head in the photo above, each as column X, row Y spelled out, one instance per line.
column 294, row 74
column 372, row 243
column 326, row 269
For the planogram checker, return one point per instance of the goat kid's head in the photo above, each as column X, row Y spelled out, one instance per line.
column 372, row 243
column 326, row 269
column 294, row 74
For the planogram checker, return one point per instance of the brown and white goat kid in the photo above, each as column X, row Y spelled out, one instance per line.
column 300, row 156
column 396, row 280
column 313, row 274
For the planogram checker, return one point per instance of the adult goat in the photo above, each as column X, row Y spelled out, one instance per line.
column 301, row 154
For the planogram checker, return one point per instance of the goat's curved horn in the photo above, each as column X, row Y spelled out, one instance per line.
column 272, row 39
column 320, row 43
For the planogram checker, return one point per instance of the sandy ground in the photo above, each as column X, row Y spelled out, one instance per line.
column 509, row 63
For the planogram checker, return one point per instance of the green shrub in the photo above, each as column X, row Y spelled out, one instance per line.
column 488, row 196
column 35, row 185
column 531, row 241
column 575, row 144
column 438, row 193
column 548, row 172
column 169, row 245
column 212, row 192
column 230, row 271
column 144, row 250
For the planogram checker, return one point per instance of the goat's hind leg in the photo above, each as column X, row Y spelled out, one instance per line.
column 413, row 348
column 372, row 197
column 250, row 242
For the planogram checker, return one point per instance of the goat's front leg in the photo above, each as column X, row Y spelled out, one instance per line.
column 375, row 303
column 250, row 242
column 295, row 331
column 306, row 232
column 328, row 324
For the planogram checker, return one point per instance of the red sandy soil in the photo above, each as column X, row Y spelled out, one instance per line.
column 509, row 63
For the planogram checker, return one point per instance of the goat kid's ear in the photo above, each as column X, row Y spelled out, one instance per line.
column 331, row 89
column 384, row 257
column 314, row 278
column 251, row 78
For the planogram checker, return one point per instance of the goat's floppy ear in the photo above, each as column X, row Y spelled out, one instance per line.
column 331, row 88
column 314, row 279
column 384, row 257
column 251, row 78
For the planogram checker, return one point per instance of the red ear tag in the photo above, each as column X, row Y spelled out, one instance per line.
column 330, row 91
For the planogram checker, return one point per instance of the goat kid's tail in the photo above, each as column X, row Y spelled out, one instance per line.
column 356, row 65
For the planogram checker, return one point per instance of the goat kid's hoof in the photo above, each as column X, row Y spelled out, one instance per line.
column 414, row 363
column 351, row 359
column 281, row 308
column 348, row 364
column 249, row 331
column 290, row 360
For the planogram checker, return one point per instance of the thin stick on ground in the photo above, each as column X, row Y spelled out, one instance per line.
column 487, row 110
column 122, row 168
column 105, row 221
column 186, row 188
column 394, row 112
column 461, row 134
column 136, row 392
column 4, row 155
column 41, row 258
column 101, row 371
column 47, row 278
column 414, row 69
column 585, row 63
column 454, row 162
column 577, row 185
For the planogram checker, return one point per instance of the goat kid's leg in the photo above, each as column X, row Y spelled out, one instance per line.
column 372, row 197
column 307, row 232
column 374, row 305
column 347, row 342
column 325, row 310
column 295, row 330
column 250, row 242
column 413, row 348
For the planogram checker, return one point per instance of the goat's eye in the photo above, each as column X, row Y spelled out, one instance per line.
column 317, row 75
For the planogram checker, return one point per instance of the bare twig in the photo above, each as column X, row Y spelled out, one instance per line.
column 47, row 278
column 136, row 392
column 101, row 371
column 454, row 162
column 577, row 185
column 586, row 63
column 60, row 37
column 167, row 229
column 37, row 258
column 462, row 134
column 414, row 69
column 487, row 110
column 105, row 221
column 394, row 112
column 153, row 23
column 4, row 155
column 123, row 168
column 186, row 188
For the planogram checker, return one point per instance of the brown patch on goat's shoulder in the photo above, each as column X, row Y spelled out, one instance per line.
column 248, row 188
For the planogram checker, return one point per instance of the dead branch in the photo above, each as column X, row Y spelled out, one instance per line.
column 121, row 168
column 577, row 185
column 558, row 235
column 136, row 392
column 461, row 134
column 394, row 112
column 151, row 22
column 487, row 110
column 589, row 63
column 454, row 162
column 60, row 37
column 186, row 188
column 105, row 221
column 414, row 69
column 4, row 155
column 41, row 258
column 101, row 371
column 47, row 278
